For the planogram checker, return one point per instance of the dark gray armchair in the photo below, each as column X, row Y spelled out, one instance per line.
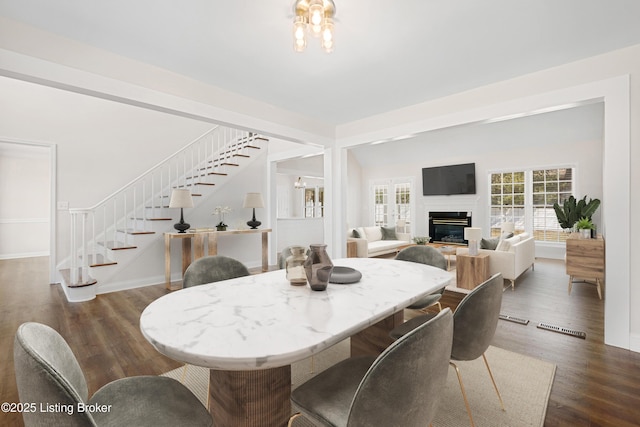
column 430, row 256
column 401, row 387
column 474, row 324
column 48, row 374
column 211, row 269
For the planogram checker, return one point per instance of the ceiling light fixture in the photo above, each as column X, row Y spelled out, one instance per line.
column 316, row 18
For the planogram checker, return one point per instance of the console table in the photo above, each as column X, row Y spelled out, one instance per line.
column 211, row 238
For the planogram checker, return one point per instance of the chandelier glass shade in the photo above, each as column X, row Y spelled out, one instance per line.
column 299, row 184
column 315, row 18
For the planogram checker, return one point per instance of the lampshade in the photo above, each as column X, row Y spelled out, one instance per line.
column 507, row 227
column 253, row 200
column 473, row 233
column 181, row 198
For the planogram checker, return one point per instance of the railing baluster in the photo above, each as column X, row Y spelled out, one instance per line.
column 104, row 231
column 74, row 249
column 85, row 261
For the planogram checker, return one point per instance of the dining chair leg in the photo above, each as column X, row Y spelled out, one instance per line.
column 293, row 417
column 493, row 381
column 184, row 377
column 464, row 394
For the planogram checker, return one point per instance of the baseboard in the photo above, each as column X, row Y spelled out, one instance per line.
column 24, row 255
column 634, row 342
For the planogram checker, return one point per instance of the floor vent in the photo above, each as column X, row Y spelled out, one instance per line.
column 561, row 330
column 514, row 319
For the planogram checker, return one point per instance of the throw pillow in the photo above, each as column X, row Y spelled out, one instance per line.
column 506, row 235
column 388, row 233
column 355, row 234
column 503, row 246
column 490, row 244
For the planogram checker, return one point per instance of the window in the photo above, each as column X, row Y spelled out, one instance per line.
column 380, row 204
column 549, row 186
column 507, row 200
column 314, row 202
column 392, row 202
column 526, row 198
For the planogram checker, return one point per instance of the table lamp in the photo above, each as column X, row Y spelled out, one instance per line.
column 181, row 198
column 506, row 228
column 253, row 200
column 473, row 235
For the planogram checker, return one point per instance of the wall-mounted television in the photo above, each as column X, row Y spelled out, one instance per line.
column 448, row 180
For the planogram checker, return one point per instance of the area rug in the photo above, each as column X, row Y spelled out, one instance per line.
column 524, row 383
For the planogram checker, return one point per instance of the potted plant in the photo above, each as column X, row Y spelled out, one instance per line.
column 572, row 210
column 421, row 240
column 220, row 211
column 584, row 226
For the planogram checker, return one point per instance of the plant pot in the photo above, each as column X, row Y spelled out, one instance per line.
column 585, row 233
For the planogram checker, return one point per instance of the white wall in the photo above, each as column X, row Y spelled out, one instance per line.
column 24, row 200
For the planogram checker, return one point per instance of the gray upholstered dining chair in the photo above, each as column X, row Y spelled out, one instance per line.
column 48, row 374
column 425, row 255
column 211, row 269
column 474, row 324
column 401, row 387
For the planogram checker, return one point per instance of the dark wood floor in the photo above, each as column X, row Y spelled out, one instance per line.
column 595, row 385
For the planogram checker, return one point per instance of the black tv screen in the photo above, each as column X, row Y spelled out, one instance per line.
column 448, row 180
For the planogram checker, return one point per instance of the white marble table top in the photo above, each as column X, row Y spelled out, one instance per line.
column 261, row 321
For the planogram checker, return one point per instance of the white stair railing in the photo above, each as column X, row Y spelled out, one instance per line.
column 111, row 223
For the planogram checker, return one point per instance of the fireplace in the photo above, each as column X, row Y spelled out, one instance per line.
column 448, row 227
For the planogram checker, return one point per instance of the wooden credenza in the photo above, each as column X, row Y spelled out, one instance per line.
column 585, row 260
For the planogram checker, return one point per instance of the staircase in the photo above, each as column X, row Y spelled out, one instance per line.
column 105, row 237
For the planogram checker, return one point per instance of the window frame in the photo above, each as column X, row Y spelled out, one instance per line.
column 528, row 223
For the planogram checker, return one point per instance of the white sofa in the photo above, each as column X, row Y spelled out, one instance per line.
column 512, row 257
column 371, row 243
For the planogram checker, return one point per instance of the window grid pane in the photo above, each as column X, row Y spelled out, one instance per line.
column 556, row 186
column 403, row 203
column 381, row 204
column 507, row 200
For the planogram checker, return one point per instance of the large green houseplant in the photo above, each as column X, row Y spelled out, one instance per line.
column 572, row 210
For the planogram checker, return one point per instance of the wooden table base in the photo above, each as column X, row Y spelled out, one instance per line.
column 261, row 398
column 250, row 398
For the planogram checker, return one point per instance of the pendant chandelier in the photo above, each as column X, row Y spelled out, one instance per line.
column 313, row 17
column 299, row 184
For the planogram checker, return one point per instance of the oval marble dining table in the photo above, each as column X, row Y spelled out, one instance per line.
column 250, row 329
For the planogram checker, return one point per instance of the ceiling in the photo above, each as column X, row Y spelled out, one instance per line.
column 385, row 57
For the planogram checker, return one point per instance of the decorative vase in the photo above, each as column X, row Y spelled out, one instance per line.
column 294, row 265
column 318, row 267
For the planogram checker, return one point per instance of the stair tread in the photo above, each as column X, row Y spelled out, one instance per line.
column 66, row 276
column 99, row 260
column 241, row 155
column 117, row 246
column 135, row 232
column 204, row 183
column 154, row 219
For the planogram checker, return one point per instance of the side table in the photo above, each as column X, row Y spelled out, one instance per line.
column 471, row 270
